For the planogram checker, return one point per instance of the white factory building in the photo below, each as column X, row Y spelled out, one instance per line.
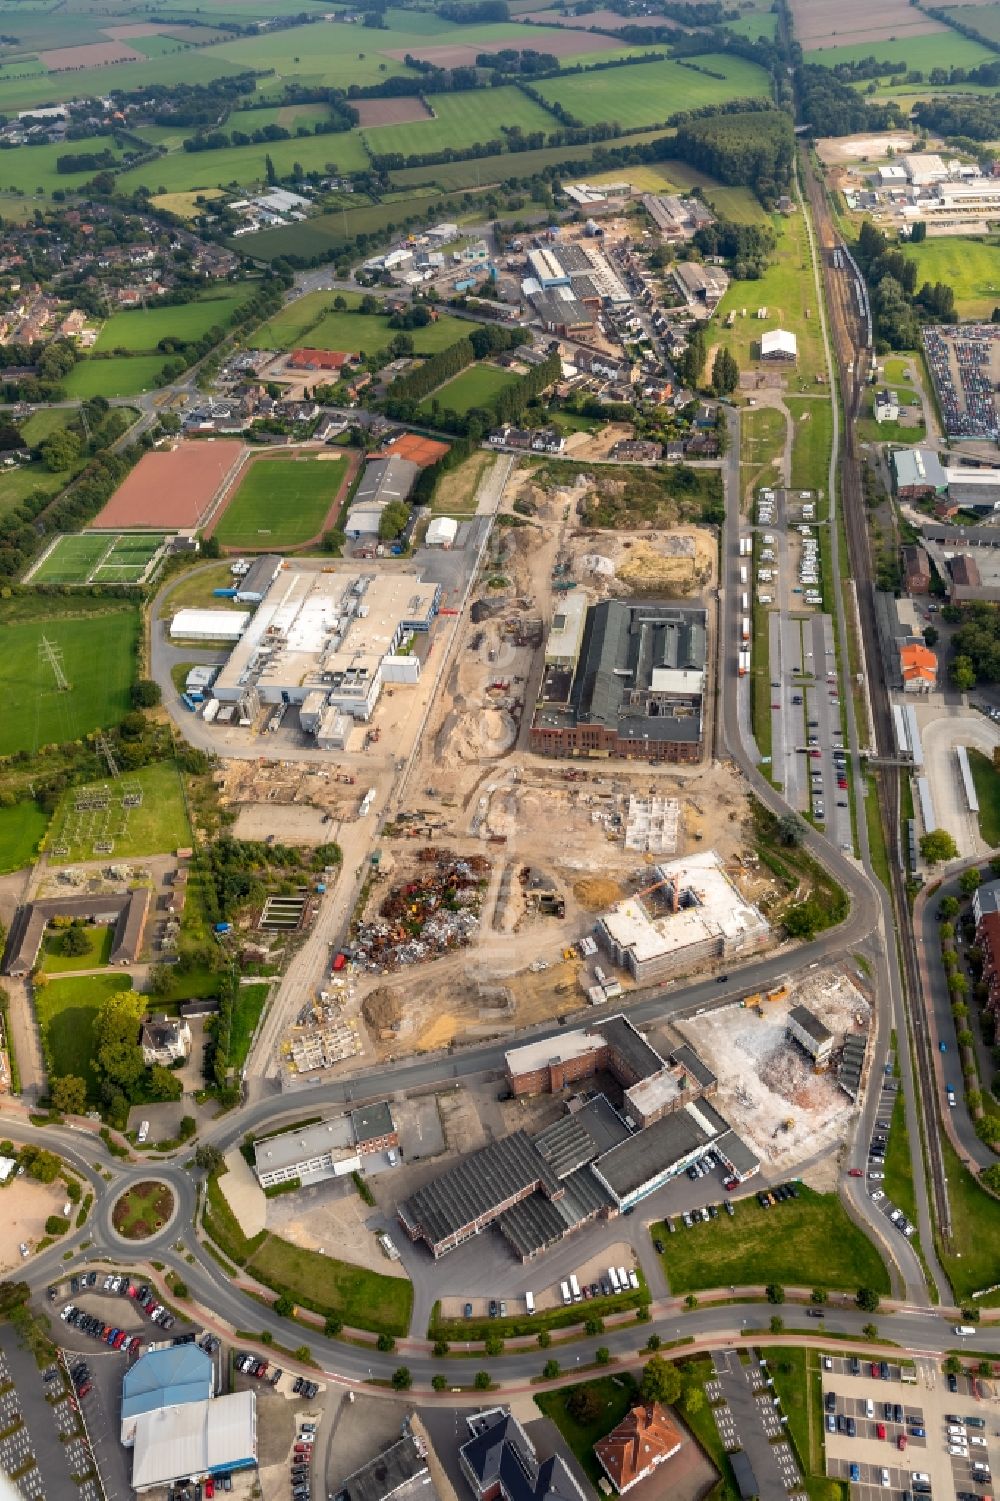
column 209, row 625
column 690, row 911
column 778, row 344
column 337, row 634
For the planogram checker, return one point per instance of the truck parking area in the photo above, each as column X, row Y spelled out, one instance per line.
column 945, row 1455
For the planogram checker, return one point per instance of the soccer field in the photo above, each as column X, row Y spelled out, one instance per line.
column 98, row 656
column 98, row 558
column 280, row 503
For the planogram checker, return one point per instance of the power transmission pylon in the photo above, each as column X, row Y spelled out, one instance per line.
column 104, row 747
column 52, row 656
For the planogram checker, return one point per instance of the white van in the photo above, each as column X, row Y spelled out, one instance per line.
column 529, row 1302
column 964, row 1329
column 567, row 1296
column 622, row 1279
column 613, row 1279
column 143, row 1131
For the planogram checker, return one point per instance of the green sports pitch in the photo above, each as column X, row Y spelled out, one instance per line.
column 99, row 558
column 281, row 503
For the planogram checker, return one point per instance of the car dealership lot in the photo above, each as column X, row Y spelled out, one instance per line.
column 924, row 1404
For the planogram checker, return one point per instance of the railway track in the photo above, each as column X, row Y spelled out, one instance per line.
column 852, row 344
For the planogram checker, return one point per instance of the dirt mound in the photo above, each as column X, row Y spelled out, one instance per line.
column 678, row 569
column 381, row 1010
column 597, row 892
column 489, row 732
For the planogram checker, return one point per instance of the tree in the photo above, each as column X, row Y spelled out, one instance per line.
column 790, row 829
column 970, row 881
column 117, row 1054
column 870, row 1331
column 75, row 941
column 208, row 1157
column 949, row 906
column 691, row 1301
column 44, row 1167
column 482, row 1382
column 164, row 1085
column 777, row 1323
column 179, row 1289
column 392, row 520
column 284, row 1307
column 985, row 1369
column 145, row 694
column 661, row 1381
column 12, row 1295
column 819, row 1295
column 725, row 373
column 653, row 1342
column 402, row 1379
column 544, row 1339
column 385, row 1343
column 931, row 633
column 594, row 1326
column 583, row 1404
column 774, row 1292
column 938, row 845
column 602, row 1355
column 439, row 1382
column 69, row 1094
column 550, row 1370
column 963, row 674
column 493, row 1345
column 867, row 1299
column 269, row 172
column 694, row 1400
column 332, row 1326
column 953, row 1366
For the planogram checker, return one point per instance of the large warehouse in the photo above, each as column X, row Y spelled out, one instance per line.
column 336, row 633
column 175, row 1427
column 635, row 687
column 691, row 911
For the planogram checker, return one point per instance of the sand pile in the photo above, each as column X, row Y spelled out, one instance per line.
column 477, row 736
column 381, row 1010
column 679, row 564
column 594, row 893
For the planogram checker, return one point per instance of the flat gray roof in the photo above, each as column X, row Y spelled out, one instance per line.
column 372, row 1121
column 659, row 1147
column 302, row 1144
column 477, row 1186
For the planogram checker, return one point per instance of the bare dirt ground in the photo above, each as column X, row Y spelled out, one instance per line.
column 26, row 1207
column 89, row 55
column 768, row 1088
column 283, row 823
column 837, row 149
column 817, row 24
column 331, row 1217
column 391, row 111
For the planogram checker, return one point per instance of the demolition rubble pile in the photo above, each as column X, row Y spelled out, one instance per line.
column 419, row 919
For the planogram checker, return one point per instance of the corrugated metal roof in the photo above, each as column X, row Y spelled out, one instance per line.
column 199, row 1438
column 166, row 1378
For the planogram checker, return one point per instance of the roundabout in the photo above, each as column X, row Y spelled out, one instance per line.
column 144, row 1211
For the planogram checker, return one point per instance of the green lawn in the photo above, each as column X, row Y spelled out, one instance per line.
column 616, row 1393
column 21, row 828
column 363, row 1299
column 471, row 388
column 647, row 93
column 492, row 169
column 871, row 431
column 44, row 422
column 250, row 1001
column 762, row 443
column 66, row 1010
column 787, row 291
column 73, row 559
column 812, row 436
column 99, row 656
column 16, row 485
column 157, row 826
column 738, row 204
column 98, row 950
column 803, row 1242
column 798, row 1385
column 280, row 503
column 143, row 328
column 185, row 171
column 116, row 376
column 313, row 322
column 939, row 49
column 974, row 1261
column 971, row 267
column 460, row 120
column 987, row 783
column 29, row 168
column 898, row 1183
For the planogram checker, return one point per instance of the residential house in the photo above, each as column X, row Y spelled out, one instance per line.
column 917, row 665
column 165, row 1040
column 644, row 1439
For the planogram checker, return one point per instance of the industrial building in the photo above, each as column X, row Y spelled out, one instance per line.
column 677, row 218
column 125, row 912
column 691, row 912
column 886, row 405
column 815, row 1040
column 335, row 633
column 383, row 482
column 397, row 1474
column 918, row 473
column 635, row 690
column 327, row 1149
column 703, row 287
column 598, row 198
column 441, row 532
column 209, row 625
column 258, row 579
column 592, row 1163
column 176, row 1428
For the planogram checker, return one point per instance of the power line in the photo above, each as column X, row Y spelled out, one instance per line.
column 104, row 747
column 51, row 654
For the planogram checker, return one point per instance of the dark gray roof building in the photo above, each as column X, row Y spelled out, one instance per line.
column 499, row 1457
column 258, row 579
column 637, row 688
column 385, row 480
column 372, row 1122
column 125, row 911
column 387, row 1474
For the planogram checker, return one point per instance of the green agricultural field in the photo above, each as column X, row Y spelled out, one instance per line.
column 96, row 956
column 356, row 332
column 288, row 115
column 30, row 168
column 982, row 18
column 802, row 1242
column 192, row 66
column 122, row 376
column 157, row 826
column 763, row 24
column 281, row 503
column 649, row 92
column 486, row 170
column 788, row 292
column 472, row 388
column 184, row 171
column 99, row 656
column 325, row 234
column 938, row 49
column 971, row 267
column 143, row 328
column 21, row 829
column 66, row 1010
column 289, row 328
column 461, row 119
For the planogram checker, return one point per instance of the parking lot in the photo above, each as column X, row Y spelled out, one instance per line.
column 748, row 1418
column 881, row 1131
column 894, row 1439
column 44, row 1445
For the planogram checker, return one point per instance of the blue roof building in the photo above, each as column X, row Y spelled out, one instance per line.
column 164, row 1378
